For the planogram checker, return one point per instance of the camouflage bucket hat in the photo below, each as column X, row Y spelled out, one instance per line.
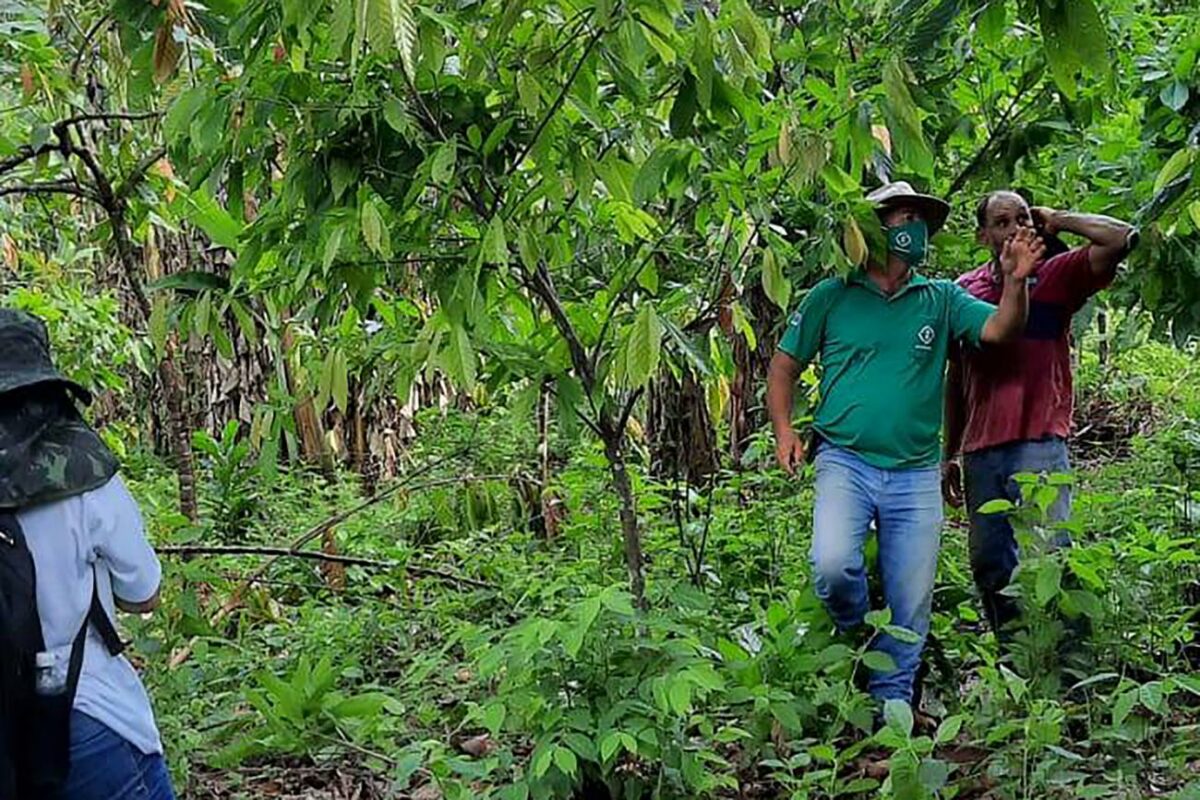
column 47, row 450
column 25, row 355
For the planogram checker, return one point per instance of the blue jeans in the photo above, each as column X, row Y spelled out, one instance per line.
column 906, row 507
column 106, row 767
column 987, row 475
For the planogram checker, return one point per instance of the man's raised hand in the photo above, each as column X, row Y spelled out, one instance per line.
column 1021, row 254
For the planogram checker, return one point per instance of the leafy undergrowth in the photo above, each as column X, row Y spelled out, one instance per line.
column 476, row 659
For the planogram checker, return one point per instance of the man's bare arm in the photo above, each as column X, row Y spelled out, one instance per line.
column 781, row 380
column 144, row 607
column 1111, row 238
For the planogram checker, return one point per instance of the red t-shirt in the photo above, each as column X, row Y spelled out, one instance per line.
column 1022, row 390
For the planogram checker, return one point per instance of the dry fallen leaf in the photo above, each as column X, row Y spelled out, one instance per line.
column 429, row 791
column 463, row 675
column 478, row 746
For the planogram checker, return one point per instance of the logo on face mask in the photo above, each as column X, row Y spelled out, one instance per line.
column 909, row 241
column 925, row 338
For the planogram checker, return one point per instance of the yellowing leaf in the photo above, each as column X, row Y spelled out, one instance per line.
column 372, row 227
column 854, row 243
column 785, row 143
column 166, row 51
column 404, row 29
column 776, row 286
column 1174, row 167
column 883, row 136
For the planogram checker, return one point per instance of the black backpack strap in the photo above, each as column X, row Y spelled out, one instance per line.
column 98, row 617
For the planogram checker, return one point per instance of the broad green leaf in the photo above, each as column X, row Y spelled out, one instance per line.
column 776, row 286
column 493, row 717
column 1152, row 696
column 359, row 706
column 1049, row 581
column 644, row 346
column 899, row 716
column 495, row 245
column 1123, row 706
column 372, row 227
column 380, row 31
column 933, row 774
column 785, row 713
column 215, row 221
column 879, row 661
column 609, row 745
column 565, row 760
column 998, row 506
column 404, row 31
column 902, row 634
column 1174, row 167
column 443, row 163
column 948, row 730
column 333, row 246
column 1194, row 212
column 1174, row 95
column 680, row 694
column 459, row 358
column 339, row 387
column 396, row 115
column 993, row 21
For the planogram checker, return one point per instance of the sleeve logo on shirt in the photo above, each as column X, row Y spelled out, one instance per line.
column 795, row 319
column 925, row 337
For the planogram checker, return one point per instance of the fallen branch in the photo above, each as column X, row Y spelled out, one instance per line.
column 235, row 598
column 316, row 555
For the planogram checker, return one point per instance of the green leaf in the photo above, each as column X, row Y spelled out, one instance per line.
column 902, row 634
column 998, row 506
column 493, row 717
column 1174, row 95
column 933, row 774
column 495, row 245
column 702, row 58
column 459, row 358
column 395, row 113
column 573, row 635
column 1174, row 167
column 1049, row 581
column 191, row 281
column 359, row 706
column 332, row 246
column 1152, row 696
column 680, row 695
column 443, row 163
column 215, row 221
column 993, row 22
column 878, row 617
column 879, row 661
column 899, row 716
column 339, row 386
column 498, row 135
column 372, row 227
column 380, row 31
column 644, row 347
column 1123, row 706
column 609, row 745
column 785, row 713
column 777, row 287
column 565, row 760
column 683, row 110
column 948, row 730
column 404, row 31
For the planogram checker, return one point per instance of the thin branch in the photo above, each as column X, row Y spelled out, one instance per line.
column 316, row 555
column 87, row 40
column 50, row 187
column 25, row 153
column 1002, row 127
column 109, row 116
column 138, row 175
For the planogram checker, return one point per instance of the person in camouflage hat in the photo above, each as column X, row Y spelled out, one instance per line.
column 76, row 722
column 47, row 450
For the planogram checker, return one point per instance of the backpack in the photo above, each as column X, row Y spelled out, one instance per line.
column 35, row 702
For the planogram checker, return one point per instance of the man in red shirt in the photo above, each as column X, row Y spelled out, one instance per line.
column 1008, row 406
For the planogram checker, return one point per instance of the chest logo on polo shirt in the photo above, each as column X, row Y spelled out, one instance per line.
column 925, row 337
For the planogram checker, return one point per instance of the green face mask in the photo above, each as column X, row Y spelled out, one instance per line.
column 909, row 242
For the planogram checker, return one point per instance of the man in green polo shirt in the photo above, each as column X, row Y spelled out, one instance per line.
column 882, row 334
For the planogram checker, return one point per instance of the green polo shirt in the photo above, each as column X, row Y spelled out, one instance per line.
column 883, row 362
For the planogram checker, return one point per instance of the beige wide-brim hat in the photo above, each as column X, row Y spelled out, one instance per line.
column 933, row 209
